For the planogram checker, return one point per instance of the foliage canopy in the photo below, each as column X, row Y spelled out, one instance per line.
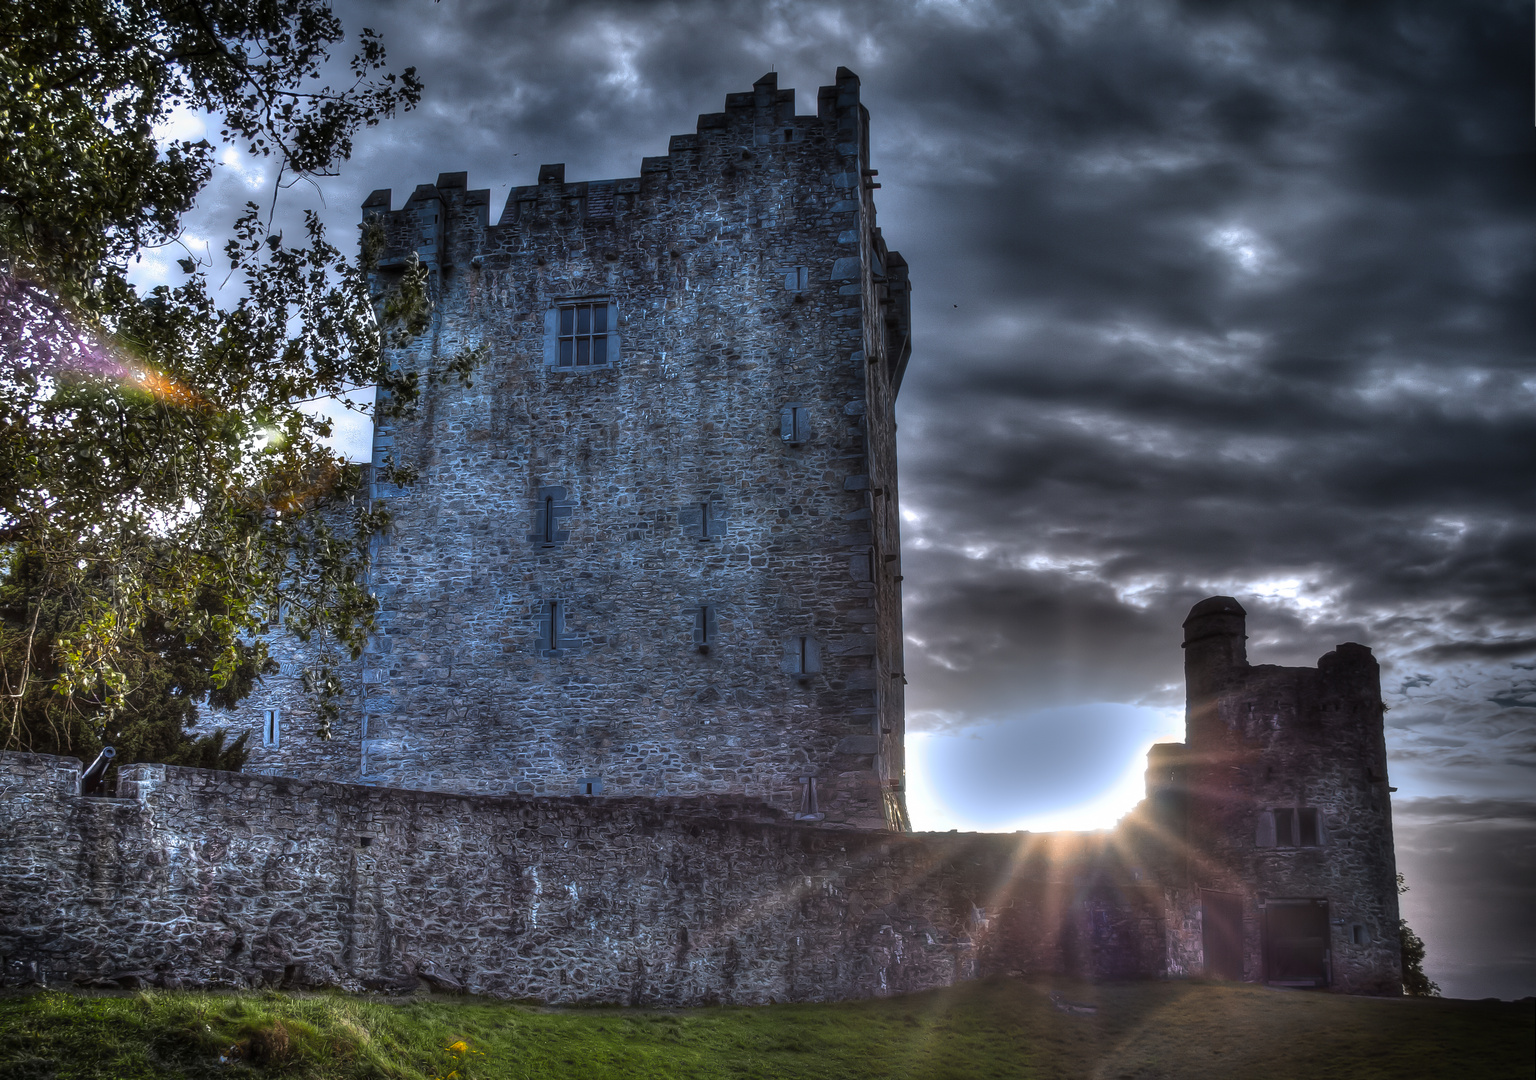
column 157, row 472
column 1415, row 982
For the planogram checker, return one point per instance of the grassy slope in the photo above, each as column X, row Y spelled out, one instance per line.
column 998, row 1029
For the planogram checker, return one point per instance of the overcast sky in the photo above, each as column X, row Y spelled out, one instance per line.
column 1208, row 298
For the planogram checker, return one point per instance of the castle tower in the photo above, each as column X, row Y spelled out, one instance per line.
column 653, row 545
column 1215, row 652
column 1279, row 807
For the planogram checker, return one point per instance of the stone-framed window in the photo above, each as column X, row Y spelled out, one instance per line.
column 706, row 519
column 589, row 785
column 810, row 809
column 581, row 333
column 706, row 631
column 271, row 617
column 552, row 506
column 272, row 728
column 802, row 655
column 1290, row 827
column 796, row 278
column 551, row 629
column 795, row 423
column 861, row 566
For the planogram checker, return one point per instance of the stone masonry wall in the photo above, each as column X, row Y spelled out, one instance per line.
column 748, row 277
column 298, row 751
column 1262, row 738
column 195, row 877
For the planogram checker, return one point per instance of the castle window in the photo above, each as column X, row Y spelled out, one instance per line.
column 802, row 655
column 1288, row 827
column 809, row 808
column 271, row 616
column 551, row 507
column 795, row 424
column 1309, row 826
column 703, row 520
column 1264, row 834
column 581, row 334
column 861, row 567
column 552, row 628
column 271, row 727
column 704, row 630
column 589, row 785
column 796, row 278
column 1359, row 935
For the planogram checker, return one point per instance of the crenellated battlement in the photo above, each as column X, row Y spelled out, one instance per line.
column 762, row 121
column 1234, row 702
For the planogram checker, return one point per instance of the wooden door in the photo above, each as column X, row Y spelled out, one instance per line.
column 1296, row 947
column 1221, row 924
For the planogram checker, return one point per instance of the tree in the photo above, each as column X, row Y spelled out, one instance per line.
column 1415, row 982
column 156, row 470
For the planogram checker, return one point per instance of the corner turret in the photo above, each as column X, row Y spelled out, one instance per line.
column 1215, row 660
column 1215, row 634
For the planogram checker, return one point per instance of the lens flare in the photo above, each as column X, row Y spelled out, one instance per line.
column 42, row 341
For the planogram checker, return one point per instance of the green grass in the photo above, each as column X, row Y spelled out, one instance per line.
column 994, row 1029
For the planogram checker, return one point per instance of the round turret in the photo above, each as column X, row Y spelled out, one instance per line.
column 1216, row 615
column 1214, row 645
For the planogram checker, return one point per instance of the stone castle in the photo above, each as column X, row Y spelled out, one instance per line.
column 631, row 726
column 653, row 548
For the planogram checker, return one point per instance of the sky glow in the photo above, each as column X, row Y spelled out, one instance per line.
column 1077, row 767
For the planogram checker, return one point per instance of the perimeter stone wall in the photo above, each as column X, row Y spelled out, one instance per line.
column 203, row 878
column 197, row 877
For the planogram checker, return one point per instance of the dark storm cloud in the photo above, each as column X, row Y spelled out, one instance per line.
column 1463, row 650
column 1208, row 298
column 994, row 643
column 596, row 85
column 1228, row 299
